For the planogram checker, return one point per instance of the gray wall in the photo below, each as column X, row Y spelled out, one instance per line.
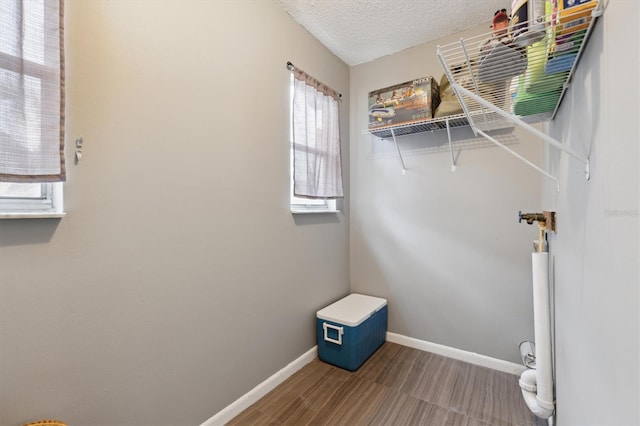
column 444, row 247
column 595, row 251
column 179, row 280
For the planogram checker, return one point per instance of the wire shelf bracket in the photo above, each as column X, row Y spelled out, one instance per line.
column 404, row 168
column 453, row 160
column 515, row 120
column 422, row 126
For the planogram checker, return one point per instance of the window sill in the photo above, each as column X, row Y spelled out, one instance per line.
column 26, row 215
column 301, row 211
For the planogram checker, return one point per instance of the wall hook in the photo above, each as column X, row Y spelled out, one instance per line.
column 79, row 142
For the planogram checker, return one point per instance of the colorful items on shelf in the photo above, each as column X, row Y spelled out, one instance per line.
column 527, row 104
column 551, row 59
column 536, row 80
column 449, row 104
column 527, row 24
column 500, row 59
column 574, row 15
column 403, row 103
column 563, row 52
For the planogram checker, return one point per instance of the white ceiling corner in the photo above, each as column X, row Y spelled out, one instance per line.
column 359, row 31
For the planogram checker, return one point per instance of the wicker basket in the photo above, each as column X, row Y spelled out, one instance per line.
column 47, row 423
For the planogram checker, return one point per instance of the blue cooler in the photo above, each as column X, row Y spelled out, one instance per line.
column 351, row 329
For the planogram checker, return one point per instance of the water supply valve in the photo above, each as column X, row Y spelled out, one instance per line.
column 546, row 219
column 546, row 222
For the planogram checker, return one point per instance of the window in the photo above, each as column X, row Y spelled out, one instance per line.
column 316, row 170
column 24, row 200
column 31, row 102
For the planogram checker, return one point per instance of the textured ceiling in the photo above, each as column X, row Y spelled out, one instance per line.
column 359, row 31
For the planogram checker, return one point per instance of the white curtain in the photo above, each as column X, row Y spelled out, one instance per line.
column 31, row 91
column 317, row 165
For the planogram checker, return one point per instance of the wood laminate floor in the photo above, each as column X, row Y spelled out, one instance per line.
column 397, row 385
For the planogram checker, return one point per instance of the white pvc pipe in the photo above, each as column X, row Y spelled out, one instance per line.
column 537, row 386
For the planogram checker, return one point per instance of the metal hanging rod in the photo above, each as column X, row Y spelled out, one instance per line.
column 292, row 67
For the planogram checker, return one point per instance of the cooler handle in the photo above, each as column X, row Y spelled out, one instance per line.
column 340, row 331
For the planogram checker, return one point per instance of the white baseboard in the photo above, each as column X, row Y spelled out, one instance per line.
column 245, row 401
column 459, row 354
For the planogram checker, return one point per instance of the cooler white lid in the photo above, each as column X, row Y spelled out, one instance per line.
column 352, row 310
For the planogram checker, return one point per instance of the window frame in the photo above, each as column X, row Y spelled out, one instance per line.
column 300, row 205
column 48, row 205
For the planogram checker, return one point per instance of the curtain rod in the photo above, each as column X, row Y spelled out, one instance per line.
column 292, row 67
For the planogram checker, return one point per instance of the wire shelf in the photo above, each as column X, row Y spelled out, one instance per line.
column 509, row 72
column 421, row 126
column 516, row 76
